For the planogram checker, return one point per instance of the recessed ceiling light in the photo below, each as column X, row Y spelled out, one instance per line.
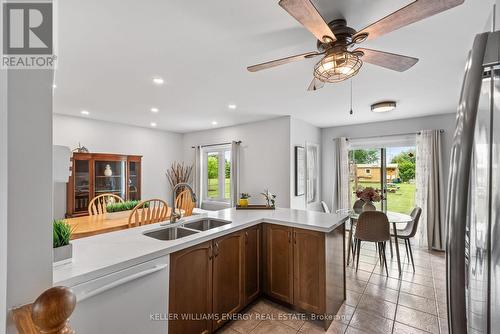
column 158, row 81
column 214, row 123
column 232, row 106
column 85, row 112
column 155, row 110
column 153, row 124
column 54, row 86
column 383, row 106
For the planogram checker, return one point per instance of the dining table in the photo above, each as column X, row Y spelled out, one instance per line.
column 86, row 226
column 394, row 218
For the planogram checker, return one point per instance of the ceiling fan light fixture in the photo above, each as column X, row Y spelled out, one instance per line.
column 383, row 106
column 338, row 66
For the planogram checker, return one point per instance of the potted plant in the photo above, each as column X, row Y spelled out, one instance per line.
column 63, row 249
column 270, row 198
column 244, row 199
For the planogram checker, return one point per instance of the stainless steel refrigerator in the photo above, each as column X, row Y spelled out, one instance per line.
column 473, row 207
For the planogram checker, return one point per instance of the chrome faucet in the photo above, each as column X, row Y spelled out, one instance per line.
column 174, row 215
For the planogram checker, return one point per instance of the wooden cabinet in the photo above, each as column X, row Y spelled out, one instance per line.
column 253, row 245
column 210, row 279
column 278, row 266
column 309, row 270
column 94, row 174
column 295, row 267
column 191, row 290
column 228, row 276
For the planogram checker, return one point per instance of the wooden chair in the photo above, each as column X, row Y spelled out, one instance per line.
column 184, row 201
column 150, row 211
column 99, row 204
column 372, row 226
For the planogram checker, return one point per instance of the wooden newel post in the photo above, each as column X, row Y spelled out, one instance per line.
column 51, row 310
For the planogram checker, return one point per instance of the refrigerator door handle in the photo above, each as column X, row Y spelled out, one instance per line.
column 456, row 210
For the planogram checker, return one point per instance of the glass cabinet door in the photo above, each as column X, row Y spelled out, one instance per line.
column 134, row 193
column 82, row 181
column 109, row 177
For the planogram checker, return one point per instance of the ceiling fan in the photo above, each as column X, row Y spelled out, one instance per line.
column 335, row 39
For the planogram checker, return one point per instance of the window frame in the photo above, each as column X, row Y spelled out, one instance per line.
column 221, row 151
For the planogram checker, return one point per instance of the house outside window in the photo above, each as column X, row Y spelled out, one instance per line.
column 217, row 174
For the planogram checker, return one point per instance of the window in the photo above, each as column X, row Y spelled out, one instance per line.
column 217, row 173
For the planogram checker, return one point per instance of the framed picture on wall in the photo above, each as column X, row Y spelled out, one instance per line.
column 300, row 171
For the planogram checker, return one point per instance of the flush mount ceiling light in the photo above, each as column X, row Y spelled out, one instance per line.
column 153, row 124
column 154, row 110
column 214, row 122
column 231, row 106
column 337, row 66
column 158, row 81
column 85, row 112
column 383, row 106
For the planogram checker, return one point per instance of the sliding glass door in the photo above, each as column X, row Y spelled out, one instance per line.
column 389, row 169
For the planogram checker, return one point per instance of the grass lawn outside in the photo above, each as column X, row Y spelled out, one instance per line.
column 402, row 201
column 213, row 188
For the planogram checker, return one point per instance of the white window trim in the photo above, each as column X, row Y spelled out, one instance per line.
column 221, row 171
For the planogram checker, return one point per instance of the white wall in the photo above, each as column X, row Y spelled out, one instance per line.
column 264, row 158
column 29, row 188
column 302, row 133
column 158, row 148
column 3, row 198
column 445, row 122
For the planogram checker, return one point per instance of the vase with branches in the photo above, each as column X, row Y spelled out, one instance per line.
column 179, row 173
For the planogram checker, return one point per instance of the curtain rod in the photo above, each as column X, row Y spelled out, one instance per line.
column 220, row 144
column 396, row 134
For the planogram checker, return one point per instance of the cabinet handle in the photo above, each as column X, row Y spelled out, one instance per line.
column 216, row 252
column 246, row 238
column 294, row 237
column 289, row 237
column 210, row 251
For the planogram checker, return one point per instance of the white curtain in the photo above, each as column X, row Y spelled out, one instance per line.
column 198, row 175
column 429, row 184
column 235, row 175
column 343, row 193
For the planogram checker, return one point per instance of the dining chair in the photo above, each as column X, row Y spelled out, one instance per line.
column 409, row 232
column 325, row 207
column 184, row 201
column 98, row 205
column 372, row 226
column 148, row 212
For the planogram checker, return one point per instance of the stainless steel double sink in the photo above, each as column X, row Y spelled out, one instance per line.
column 185, row 229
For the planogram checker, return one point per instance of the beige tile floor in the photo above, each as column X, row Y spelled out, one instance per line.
column 411, row 304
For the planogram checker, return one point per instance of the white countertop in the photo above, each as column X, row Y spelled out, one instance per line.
column 103, row 254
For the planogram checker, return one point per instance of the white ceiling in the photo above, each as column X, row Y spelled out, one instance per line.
column 109, row 51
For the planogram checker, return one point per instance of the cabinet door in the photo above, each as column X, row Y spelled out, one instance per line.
column 190, row 291
column 228, row 275
column 309, row 270
column 278, row 262
column 252, row 263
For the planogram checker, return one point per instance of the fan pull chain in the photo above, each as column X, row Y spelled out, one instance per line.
column 351, row 112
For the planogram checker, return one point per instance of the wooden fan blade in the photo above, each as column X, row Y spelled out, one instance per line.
column 315, row 84
column 305, row 12
column 416, row 11
column 388, row 60
column 277, row 62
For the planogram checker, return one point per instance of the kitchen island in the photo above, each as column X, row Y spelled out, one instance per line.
column 291, row 256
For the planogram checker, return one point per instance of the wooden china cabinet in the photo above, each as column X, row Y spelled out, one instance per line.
column 94, row 174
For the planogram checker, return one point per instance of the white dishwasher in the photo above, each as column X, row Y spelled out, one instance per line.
column 130, row 301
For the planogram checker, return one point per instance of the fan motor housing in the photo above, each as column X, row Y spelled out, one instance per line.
column 342, row 32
